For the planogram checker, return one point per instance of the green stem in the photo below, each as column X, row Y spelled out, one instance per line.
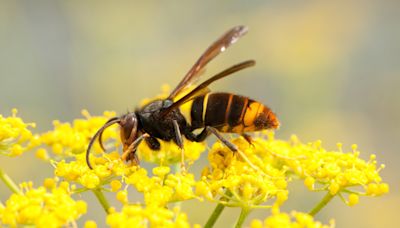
column 243, row 214
column 217, row 211
column 102, row 199
column 328, row 197
column 214, row 216
column 9, row 182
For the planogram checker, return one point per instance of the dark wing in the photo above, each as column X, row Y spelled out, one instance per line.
column 203, row 87
column 217, row 47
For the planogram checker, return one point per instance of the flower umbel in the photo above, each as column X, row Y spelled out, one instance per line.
column 257, row 177
column 42, row 206
column 16, row 136
column 67, row 140
column 249, row 187
column 336, row 172
column 163, row 187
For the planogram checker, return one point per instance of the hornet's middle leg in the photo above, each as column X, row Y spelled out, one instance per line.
column 179, row 141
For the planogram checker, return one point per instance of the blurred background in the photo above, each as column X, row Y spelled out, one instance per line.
column 330, row 71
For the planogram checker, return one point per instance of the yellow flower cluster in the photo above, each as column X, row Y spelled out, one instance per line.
column 50, row 206
column 266, row 165
column 150, row 216
column 255, row 177
column 15, row 135
column 334, row 171
column 164, row 187
column 295, row 220
column 69, row 139
column 105, row 168
column 239, row 180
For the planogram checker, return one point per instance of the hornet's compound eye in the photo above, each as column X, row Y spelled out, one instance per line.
column 128, row 125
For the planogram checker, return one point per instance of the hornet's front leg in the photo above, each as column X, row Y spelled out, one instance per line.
column 130, row 153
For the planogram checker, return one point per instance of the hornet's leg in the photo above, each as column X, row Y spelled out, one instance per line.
column 130, row 153
column 248, row 138
column 179, row 141
column 230, row 145
column 206, row 132
column 153, row 143
column 197, row 138
column 226, row 142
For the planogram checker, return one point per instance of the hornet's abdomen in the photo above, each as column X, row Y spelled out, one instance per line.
column 231, row 113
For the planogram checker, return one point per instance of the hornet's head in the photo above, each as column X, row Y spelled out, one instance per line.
column 128, row 131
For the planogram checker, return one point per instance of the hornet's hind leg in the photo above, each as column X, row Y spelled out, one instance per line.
column 206, row 132
column 248, row 138
column 226, row 142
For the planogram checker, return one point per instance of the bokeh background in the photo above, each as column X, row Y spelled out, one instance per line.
column 329, row 69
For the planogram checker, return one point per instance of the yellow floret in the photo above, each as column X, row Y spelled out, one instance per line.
column 309, row 183
column 42, row 154
column 115, row 185
column 90, row 224
column 49, row 183
column 353, row 199
column 122, row 196
column 161, row 171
